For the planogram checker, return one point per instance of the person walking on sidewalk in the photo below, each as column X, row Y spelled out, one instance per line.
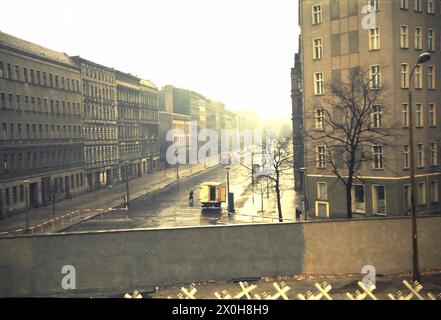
column 190, row 198
column 298, row 214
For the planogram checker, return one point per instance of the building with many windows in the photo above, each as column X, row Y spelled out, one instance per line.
column 41, row 121
column 100, row 127
column 338, row 40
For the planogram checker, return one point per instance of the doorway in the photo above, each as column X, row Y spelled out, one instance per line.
column 33, row 195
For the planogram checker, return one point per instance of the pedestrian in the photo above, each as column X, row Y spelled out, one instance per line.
column 190, row 198
column 298, row 214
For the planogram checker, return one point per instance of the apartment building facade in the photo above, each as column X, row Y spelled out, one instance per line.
column 41, row 116
column 339, row 39
column 100, row 127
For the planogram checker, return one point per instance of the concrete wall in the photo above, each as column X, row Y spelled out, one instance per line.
column 141, row 259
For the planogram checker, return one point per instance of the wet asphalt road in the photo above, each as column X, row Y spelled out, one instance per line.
column 169, row 207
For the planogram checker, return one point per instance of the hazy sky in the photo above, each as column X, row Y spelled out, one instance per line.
column 237, row 51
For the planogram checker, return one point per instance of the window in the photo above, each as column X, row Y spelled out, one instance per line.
column 404, row 75
column 378, row 157
column 430, row 40
column 322, row 191
column 318, row 83
column 25, row 73
column 319, row 119
column 431, row 77
column 419, row 121
column 404, row 38
column 404, row 4
column 406, row 156
column 418, row 77
column 375, row 4
column 375, row 77
column 2, row 72
column 376, row 116
column 318, row 49
column 433, row 154
column 317, row 14
column 418, row 6
column 420, row 155
column 407, row 204
column 321, row 157
column 422, row 200
column 430, row 7
column 374, row 39
column 432, row 115
column 434, row 191
column 17, row 73
column 418, row 39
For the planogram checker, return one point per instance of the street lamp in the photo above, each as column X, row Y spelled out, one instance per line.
column 423, row 58
column 305, row 202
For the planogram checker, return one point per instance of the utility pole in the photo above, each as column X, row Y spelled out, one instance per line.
column 127, row 186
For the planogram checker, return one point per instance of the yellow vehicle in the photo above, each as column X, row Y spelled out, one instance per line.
column 211, row 196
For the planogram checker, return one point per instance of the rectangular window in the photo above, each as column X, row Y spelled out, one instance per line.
column 434, row 191
column 433, row 154
column 432, row 115
column 431, row 40
column 422, row 199
column 321, row 157
column 418, row 77
column 322, row 191
column 420, row 155
column 2, row 70
column 418, row 39
column 419, row 115
column 375, row 77
column 319, row 119
column 406, row 156
column 317, row 14
column 431, row 77
column 25, row 74
column 318, row 49
column 404, row 38
column 404, row 75
column 378, row 157
column 430, row 7
column 374, row 39
column 17, row 73
column 318, row 83
column 404, row 4
column 376, row 116
column 418, row 6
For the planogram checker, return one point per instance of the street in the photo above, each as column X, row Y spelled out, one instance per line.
column 169, row 207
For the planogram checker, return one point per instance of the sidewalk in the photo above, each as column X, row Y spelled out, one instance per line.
column 89, row 204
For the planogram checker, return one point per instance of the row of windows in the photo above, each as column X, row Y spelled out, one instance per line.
column 98, row 74
column 12, row 161
column 375, row 75
column 36, row 77
column 101, row 133
column 18, row 194
column 99, row 113
column 39, row 105
column 429, row 6
column 98, row 91
column 379, row 196
column 129, row 149
column 19, row 131
column 100, row 154
column 377, row 116
column 378, row 157
column 430, row 38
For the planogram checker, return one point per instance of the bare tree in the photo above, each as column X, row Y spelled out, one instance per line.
column 349, row 129
column 264, row 186
column 279, row 161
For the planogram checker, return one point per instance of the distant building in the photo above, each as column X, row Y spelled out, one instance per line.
column 41, row 123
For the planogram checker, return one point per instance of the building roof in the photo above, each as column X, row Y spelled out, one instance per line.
column 27, row 47
column 148, row 83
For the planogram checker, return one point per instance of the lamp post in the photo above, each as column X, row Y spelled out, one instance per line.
column 423, row 58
